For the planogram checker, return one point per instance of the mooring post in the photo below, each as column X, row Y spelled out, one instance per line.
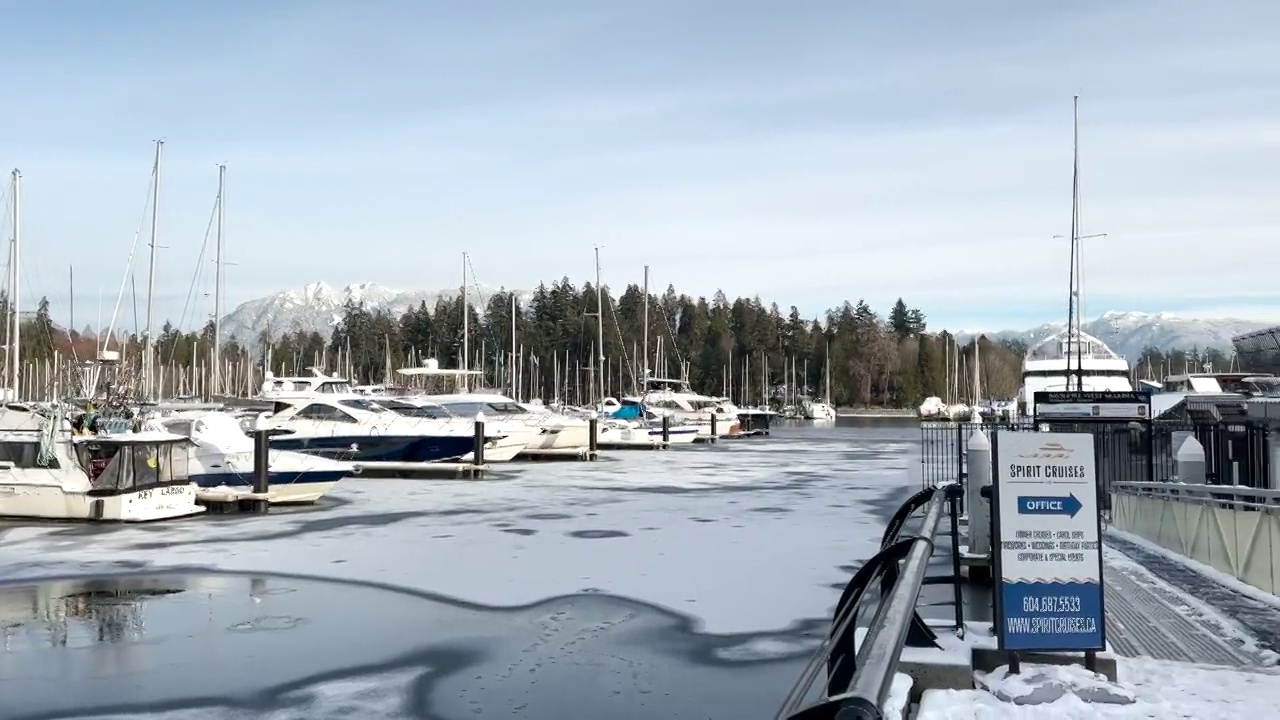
column 593, row 435
column 477, row 445
column 715, row 434
column 1191, row 462
column 979, row 509
column 261, row 467
column 666, row 430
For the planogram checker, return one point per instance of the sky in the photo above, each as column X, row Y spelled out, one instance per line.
column 808, row 152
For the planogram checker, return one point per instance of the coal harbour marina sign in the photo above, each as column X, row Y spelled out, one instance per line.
column 1048, row 561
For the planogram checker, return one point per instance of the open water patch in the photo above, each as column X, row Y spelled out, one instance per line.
column 172, row 644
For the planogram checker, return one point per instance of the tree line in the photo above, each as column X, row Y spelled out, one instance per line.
column 741, row 348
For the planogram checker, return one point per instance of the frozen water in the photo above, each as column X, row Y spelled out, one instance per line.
column 747, row 535
column 750, row 542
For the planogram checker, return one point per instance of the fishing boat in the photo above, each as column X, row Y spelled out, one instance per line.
column 48, row 472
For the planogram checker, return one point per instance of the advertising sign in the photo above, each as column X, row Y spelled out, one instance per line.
column 1092, row 405
column 1048, row 559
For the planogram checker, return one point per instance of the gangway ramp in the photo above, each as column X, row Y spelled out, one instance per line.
column 1174, row 617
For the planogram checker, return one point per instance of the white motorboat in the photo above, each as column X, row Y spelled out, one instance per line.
column 554, row 431
column 674, row 398
column 47, row 472
column 503, row 440
column 221, row 456
column 356, row 429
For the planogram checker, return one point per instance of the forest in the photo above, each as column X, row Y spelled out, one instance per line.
column 741, row 348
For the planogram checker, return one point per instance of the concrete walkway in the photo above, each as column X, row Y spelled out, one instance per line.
column 1173, row 613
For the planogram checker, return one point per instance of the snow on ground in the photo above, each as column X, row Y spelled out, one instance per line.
column 1191, row 607
column 748, row 535
column 1163, row 691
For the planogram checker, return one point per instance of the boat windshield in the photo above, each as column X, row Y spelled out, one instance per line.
column 373, row 406
column 115, row 468
column 498, row 407
column 407, row 409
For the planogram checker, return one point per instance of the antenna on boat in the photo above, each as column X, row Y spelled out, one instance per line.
column 1075, row 324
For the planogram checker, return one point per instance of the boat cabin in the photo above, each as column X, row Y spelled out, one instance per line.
column 318, row 382
column 128, row 463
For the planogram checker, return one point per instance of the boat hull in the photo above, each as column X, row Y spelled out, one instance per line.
column 563, row 437
column 677, row 435
column 376, row 448
column 51, row 502
column 283, row 487
column 500, row 449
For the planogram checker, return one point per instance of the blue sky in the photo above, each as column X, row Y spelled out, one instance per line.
column 810, row 151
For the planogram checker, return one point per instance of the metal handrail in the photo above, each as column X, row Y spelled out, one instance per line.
column 880, row 651
column 1237, row 496
column 882, row 647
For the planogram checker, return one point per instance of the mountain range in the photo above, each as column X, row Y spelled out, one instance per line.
column 319, row 307
column 1129, row 333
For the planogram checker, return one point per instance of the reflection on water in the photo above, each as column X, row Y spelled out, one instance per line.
column 77, row 613
column 253, row 643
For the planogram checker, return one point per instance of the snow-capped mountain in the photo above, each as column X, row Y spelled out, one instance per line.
column 319, row 307
column 1129, row 333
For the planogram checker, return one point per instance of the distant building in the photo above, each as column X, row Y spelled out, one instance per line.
column 1259, row 351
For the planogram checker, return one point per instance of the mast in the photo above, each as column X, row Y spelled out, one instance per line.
column 511, row 372
column 1073, row 315
column 15, row 334
column 466, row 319
column 217, row 283
column 644, row 366
column 600, row 327
column 828, row 395
column 148, row 378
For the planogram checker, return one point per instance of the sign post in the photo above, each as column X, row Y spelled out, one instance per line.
column 1048, row 559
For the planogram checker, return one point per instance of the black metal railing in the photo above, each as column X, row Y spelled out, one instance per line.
column 1237, row 452
column 860, row 675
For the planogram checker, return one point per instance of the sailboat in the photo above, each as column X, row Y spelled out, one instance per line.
column 822, row 411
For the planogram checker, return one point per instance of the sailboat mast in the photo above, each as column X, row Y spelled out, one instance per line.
column 644, row 366
column 148, row 379
column 466, row 319
column 600, row 328
column 15, row 334
column 828, row 379
column 1073, row 320
column 217, row 283
column 511, row 372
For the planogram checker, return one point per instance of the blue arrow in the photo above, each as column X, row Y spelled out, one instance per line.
column 1033, row 505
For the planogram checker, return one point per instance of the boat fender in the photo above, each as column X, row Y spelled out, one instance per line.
column 97, row 510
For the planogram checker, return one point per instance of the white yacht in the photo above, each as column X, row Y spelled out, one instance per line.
column 1053, row 365
column 554, row 431
column 358, row 429
column 49, row 473
column 504, row 440
column 221, row 456
column 666, row 396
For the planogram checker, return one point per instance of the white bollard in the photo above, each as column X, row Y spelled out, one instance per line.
column 979, row 477
column 1274, row 480
column 1190, row 460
